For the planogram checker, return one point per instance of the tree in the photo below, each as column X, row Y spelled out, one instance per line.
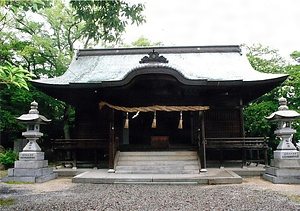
column 296, row 56
column 41, row 36
column 13, row 74
column 32, row 5
column 264, row 59
column 144, row 42
column 106, row 20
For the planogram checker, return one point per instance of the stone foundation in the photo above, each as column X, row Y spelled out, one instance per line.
column 283, row 171
column 31, row 167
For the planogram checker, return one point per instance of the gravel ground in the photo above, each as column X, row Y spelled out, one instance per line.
column 62, row 194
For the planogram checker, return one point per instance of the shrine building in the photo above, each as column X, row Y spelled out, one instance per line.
column 156, row 99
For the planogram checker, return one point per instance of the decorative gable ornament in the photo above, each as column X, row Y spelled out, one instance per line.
column 153, row 57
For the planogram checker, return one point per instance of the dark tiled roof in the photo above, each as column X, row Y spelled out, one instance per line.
column 209, row 63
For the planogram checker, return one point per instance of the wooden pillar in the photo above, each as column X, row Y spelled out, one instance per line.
column 74, row 155
column 244, row 160
column 111, row 153
column 242, row 129
column 266, row 152
column 221, row 157
column 95, row 158
column 202, row 142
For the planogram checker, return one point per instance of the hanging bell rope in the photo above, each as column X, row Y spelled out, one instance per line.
column 126, row 126
column 154, row 108
column 154, row 121
column 180, row 125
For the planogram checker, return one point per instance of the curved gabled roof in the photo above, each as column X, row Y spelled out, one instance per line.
column 187, row 64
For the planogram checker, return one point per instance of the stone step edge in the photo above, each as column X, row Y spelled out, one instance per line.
column 157, row 172
column 159, row 153
column 155, row 163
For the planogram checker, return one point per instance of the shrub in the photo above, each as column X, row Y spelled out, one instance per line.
column 8, row 158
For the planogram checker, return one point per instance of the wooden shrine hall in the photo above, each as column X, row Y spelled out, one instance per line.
column 160, row 99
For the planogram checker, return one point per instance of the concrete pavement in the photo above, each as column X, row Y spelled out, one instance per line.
column 213, row 176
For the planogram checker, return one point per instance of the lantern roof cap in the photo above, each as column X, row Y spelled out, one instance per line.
column 33, row 115
column 287, row 114
column 283, row 111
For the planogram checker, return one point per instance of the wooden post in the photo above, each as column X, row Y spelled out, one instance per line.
column 95, row 158
column 203, row 143
column 266, row 152
column 242, row 129
column 242, row 126
column 244, row 162
column 111, row 154
column 74, row 155
column 221, row 158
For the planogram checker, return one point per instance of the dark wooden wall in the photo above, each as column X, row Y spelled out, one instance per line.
column 92, row 124
column 222, row 123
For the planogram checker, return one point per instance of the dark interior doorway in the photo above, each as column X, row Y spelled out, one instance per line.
column 141, row 133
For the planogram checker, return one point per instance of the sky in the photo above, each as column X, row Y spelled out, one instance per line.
column 272, row 23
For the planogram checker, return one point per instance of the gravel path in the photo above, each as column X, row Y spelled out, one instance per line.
column 61, row 194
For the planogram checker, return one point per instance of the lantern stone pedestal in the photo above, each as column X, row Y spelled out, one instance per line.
column 31, row 166
column 285, row 167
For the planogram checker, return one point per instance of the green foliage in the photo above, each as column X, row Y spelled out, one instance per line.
column 18, row 182
column 3, row 173
column 32, row 5
column 12, row 103
column 264, row 59
column 8, row 158
column 294, row 198
column 15, row 102
column 40, row 36
column 296, row 56
column 6, row 202
column 144, row 42
column 256, row 124
column 18, row 76
column 106, row 20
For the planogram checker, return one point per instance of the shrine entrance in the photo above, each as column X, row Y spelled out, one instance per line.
column 157, row 127
column 165, row 134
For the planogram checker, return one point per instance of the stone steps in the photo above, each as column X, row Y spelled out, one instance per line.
column 149, row 153
column 157, row 158
column 158, row 162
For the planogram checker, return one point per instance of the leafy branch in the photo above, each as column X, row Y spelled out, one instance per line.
column 12, row 75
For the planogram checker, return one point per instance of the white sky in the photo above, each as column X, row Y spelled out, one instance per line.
column 273, row 23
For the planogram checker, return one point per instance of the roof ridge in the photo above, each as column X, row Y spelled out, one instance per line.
column 160, row 49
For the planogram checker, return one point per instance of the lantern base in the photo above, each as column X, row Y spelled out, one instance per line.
column 30, row 175
column 31, row 167
column 283, row 171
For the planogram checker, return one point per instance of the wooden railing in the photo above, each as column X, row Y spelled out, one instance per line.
column 254, row 149
column 65, row 150
column 79, row 143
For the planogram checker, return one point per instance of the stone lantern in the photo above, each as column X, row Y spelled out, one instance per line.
column 31, row 166
column 33, row 120
column 285, row 167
